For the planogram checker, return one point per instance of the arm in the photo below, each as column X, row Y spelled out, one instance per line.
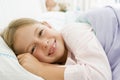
column 45, row 70
column 89, row 59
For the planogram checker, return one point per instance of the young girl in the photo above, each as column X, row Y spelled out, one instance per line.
column 73, row 54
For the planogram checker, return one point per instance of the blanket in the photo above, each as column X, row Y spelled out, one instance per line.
column 106, row 24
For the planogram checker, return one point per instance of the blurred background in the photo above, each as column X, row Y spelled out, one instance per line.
column 82, row 5
column 48, row 9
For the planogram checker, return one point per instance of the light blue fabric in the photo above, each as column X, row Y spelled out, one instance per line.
column 106, row 23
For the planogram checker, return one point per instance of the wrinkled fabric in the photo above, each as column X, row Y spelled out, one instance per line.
column 106, row 24
column 86, row 58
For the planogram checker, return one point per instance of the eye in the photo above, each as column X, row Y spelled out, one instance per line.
column 40, row 33
column 33, row 49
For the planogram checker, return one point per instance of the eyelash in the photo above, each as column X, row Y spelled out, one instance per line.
column 40, row 33
column 33, row 49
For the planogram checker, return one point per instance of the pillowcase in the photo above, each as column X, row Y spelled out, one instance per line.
column 10, row 69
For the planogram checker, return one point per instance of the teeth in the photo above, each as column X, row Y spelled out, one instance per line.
column 52, row 49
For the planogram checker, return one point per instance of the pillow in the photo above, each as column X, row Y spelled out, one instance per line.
column 58, row 19
column 10, row 69
column 55, row 19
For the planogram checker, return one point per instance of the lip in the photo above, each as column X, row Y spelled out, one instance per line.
column 52, row 48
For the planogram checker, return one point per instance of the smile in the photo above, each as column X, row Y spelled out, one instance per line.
column 52, row 48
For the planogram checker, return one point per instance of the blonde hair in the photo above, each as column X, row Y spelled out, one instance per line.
column 9, row 33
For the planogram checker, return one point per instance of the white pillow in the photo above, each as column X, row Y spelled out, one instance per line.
column 59, row 19
column 10, row 69
column 55, row 19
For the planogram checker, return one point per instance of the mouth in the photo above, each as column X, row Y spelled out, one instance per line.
column 52, row 48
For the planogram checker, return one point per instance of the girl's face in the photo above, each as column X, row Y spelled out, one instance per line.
column 42, row 41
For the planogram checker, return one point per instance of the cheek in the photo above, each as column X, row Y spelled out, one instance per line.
column 39, row 55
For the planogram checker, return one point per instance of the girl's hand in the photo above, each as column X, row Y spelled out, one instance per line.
column 44, row 70
column 29, row 62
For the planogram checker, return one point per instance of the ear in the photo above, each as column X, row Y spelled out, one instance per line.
column 46, row 23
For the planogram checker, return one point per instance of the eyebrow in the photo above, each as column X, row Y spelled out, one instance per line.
column 35, row 32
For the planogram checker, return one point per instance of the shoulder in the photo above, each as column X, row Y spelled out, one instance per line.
column 75, row 34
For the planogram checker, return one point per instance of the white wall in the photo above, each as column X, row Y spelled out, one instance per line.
column 12, row 9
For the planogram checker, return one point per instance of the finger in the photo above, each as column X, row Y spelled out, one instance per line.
column 20, row 59
column 20, row 56
column 23, row 57
column 23, row 54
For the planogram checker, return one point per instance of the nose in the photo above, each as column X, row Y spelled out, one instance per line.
column 44, row 43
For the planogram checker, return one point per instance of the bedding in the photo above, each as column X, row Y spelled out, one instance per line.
column 106, row 24
column 10, row 69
